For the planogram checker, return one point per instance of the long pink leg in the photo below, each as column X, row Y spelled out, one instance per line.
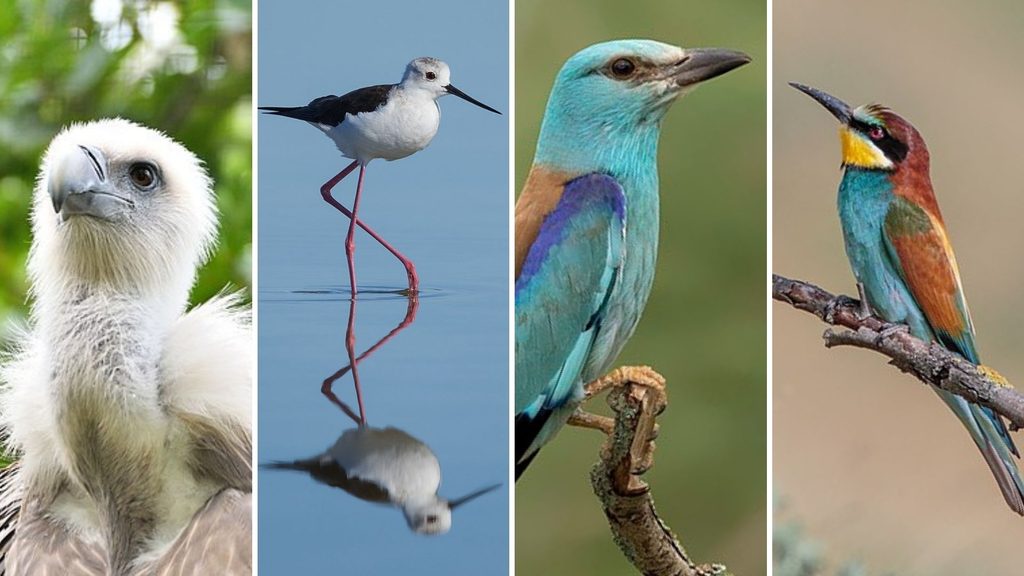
column 325, row 191
column 350, row 240
column 326, row 388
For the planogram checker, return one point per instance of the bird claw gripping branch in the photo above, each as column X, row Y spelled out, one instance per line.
column 839, row 303
column 625, row 375
column 639, row 397
column 641, row 382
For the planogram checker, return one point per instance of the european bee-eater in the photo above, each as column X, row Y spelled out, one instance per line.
column 901, row 256
column 587, row 221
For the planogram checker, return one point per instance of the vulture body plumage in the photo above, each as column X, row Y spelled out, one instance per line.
column 129, row 414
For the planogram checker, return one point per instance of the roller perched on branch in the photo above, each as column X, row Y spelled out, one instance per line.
column 587, row 225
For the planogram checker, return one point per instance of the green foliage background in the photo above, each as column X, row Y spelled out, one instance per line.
column 705, row 324
column 55, row 69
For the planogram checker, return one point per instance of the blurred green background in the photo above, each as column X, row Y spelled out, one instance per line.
column 867, row 460
column 180, row 67
column 704, row 328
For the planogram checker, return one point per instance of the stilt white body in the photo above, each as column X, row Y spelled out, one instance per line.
column 401, row 127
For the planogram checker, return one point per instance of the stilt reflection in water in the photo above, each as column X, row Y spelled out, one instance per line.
column 382, row 465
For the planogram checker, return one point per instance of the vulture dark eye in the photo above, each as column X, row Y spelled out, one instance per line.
column 431, row 75
column 623, row 68
column 876, row 133
column 143, row 175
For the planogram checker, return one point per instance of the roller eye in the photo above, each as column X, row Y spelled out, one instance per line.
column 876, row 133
column 143, row 175
column 623, row 68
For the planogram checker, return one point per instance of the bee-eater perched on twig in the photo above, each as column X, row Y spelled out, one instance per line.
column 903, row 261
column 587, row 225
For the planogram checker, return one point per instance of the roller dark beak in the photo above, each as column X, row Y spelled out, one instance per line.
column 703, row 64
column 837, row 107
column 453, row 504
column 79, row 185
column 456, row 92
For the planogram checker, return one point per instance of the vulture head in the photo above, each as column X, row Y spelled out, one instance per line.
column 121, row 205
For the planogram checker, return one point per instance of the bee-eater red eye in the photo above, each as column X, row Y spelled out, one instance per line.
column 876, row 133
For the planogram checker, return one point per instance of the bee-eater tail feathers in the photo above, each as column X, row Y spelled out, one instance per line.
column 1007, row 476
column 999, row 453
column 989, row 433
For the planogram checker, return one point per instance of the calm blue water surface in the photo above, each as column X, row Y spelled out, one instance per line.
column 444, row 378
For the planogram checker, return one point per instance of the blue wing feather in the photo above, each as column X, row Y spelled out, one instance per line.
column 561, row 291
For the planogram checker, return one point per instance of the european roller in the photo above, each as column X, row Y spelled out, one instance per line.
column 587, row 225
column 901, row 256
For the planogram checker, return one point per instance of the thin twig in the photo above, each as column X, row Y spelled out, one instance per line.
column 930, row 362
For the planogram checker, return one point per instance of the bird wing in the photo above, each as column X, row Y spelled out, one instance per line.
column 43, row 545
column 218, row 540
column 561, row 293
column 331, row 110
column 325, row 470
column 917, row 243
column 207, row 384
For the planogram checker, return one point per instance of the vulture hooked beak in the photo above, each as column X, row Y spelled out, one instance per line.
column 79, row 185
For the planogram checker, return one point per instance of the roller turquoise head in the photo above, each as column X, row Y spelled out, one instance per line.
column 611, row 97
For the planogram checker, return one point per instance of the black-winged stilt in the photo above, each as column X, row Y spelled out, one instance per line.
column 387, row 121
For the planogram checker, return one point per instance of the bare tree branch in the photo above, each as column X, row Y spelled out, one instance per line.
column 930, row 362
column 640, row 533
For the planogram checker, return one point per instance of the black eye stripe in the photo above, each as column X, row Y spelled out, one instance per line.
column 893, row 149
column 864, row 127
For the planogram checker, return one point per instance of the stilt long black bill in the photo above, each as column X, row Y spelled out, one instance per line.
column 453, row 504
column 456, row 92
